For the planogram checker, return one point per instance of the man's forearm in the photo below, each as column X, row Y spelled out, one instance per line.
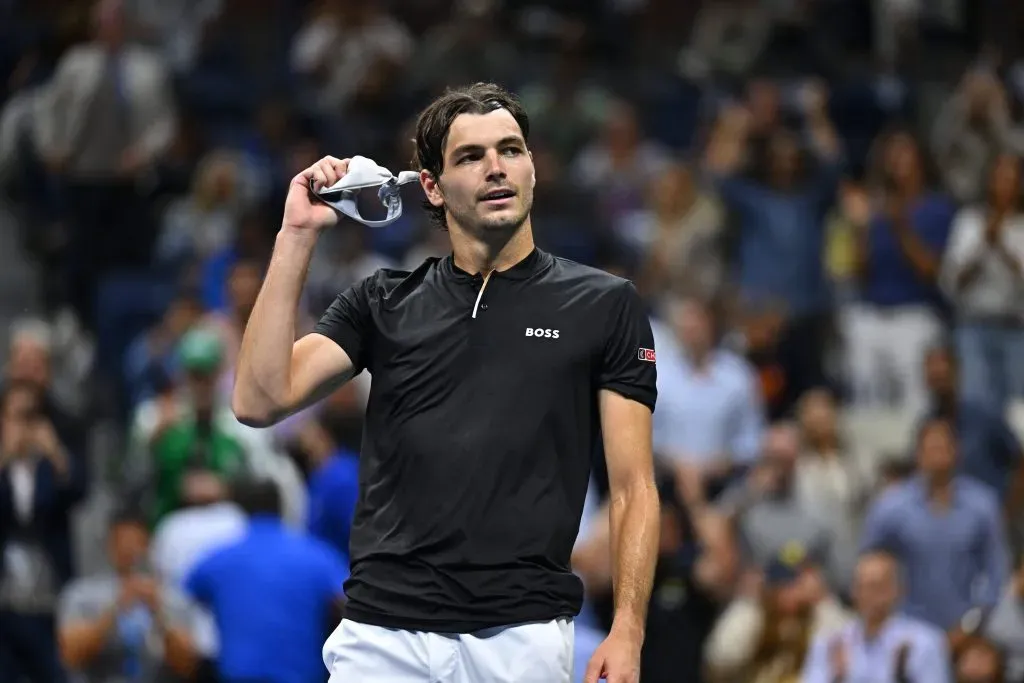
column 635, row 523
column 264, row 362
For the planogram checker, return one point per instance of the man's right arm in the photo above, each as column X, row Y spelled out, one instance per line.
column 276, row 375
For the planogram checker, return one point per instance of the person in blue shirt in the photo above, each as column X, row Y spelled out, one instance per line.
column 273, row 595
column 781, row 220
column 899, row 248
column 333, row 486
column 881, row 645
column 988, row 449
column 947, row 532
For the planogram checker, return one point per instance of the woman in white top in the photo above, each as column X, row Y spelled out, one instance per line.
column 983, row 275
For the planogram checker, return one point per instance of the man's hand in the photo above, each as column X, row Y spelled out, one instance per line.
column 616, row 660
column 994, row 226
column 302, row 213
column 46, row 441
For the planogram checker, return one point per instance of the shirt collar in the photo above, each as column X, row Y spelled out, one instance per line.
column 534, row 262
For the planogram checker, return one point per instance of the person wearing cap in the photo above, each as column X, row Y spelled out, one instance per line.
column 496, row 370
column 192, row 437
column 196, row 415
column 765, row 632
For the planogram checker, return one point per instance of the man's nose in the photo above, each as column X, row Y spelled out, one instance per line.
column 495, row 165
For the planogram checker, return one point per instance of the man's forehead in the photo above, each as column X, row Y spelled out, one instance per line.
column 482, row 129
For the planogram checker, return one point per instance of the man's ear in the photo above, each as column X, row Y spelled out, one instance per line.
column 432, row 188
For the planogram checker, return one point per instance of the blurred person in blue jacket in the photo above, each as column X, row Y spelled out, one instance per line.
column 274, row 595
column 333, row 486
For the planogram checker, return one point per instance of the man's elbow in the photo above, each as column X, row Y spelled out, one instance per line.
column 250, row 413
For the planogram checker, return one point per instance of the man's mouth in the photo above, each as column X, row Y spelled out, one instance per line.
column 499, row 195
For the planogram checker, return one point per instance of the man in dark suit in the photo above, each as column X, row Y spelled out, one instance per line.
column 40, row 482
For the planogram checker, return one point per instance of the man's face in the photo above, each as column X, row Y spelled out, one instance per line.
column 875, row 587
column 936, row 453
column 939, row 373
column 29, row 362
column 128, row 545
column 693, row 325
column 488, row 177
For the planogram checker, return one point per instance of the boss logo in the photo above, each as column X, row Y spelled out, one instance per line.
column 646, row 355
column 541, row 332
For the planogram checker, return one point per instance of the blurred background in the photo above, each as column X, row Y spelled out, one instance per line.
column 819, row 199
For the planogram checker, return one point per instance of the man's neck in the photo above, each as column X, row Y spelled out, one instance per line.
column 873, row 626
column 476, row 255
column 940, row 490
column 699, row 358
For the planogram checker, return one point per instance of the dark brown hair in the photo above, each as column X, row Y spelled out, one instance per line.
column 435, row 122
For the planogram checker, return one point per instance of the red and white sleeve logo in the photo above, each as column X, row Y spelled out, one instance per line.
column 646, row 355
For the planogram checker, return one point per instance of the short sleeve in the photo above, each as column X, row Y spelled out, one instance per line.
column 347, row 322
column 628, row 362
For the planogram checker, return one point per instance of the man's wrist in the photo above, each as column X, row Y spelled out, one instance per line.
column 299, row 237
column 628, row 625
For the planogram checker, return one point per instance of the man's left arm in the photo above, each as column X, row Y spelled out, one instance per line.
column 634, row 508
column 627, row 393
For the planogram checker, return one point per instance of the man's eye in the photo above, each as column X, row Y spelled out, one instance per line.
column 513, row 151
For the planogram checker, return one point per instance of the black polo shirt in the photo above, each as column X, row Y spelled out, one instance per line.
column 479, row 431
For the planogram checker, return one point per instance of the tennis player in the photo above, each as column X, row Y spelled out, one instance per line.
column 495, row 370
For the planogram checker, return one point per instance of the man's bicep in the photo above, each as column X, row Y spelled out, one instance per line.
column 626, row 431
column 319, row 366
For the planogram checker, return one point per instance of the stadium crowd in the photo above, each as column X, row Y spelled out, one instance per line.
column 819, row 199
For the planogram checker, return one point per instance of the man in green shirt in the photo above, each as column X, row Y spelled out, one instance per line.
column 193, row 436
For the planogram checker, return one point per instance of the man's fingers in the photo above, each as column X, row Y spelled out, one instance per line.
column 339, row 166
column 325, row 172
column 594, row 669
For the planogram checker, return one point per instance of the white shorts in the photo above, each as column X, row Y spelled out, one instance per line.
column 540, row 652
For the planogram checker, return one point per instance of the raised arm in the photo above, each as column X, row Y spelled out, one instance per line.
column 277, row 375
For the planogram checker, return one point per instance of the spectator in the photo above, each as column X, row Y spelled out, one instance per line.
column 768, row 509
column 979, row 661
column 680, row 237
column 695, row 573
column 765, row 634
column 945, row 529
column 988, row 449
column 151, row 360
column 40, row 482
column 899, row 251
column 196, row 227
column 126, row 625
column 184, row 436
column 107, row 117
column 1004, row 626
column 31, row 360
column 709, row 412
column 973, row 128
column 333, row 486
column 833, row 478
column 880, row 644
column 983, row 274
column 622, row 162
column 781, row 219
column 207, row 521
column 273, row 594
